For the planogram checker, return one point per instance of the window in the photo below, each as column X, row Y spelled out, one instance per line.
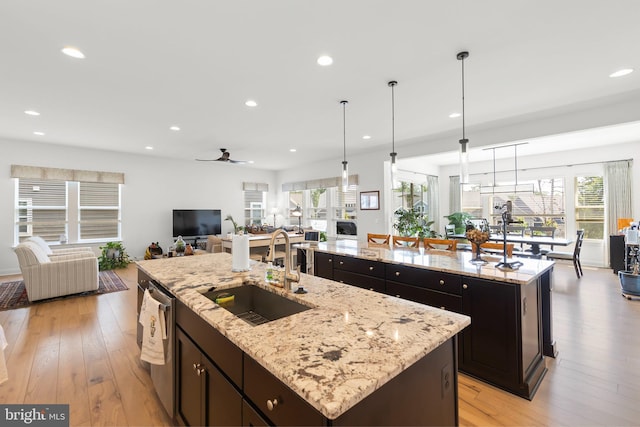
column 83, row 212
column 324, row 209
column 590, row 206
column 255, row 202
column 254, row 207
column 545, row 206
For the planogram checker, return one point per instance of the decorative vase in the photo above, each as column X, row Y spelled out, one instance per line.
column 477, row 237
column 180, row 246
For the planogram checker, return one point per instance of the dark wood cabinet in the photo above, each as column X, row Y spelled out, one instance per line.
column 503, row 344
column 617, row 255
column 251, row 418
column 323, row 265
column 204, row 396
column 278, row 402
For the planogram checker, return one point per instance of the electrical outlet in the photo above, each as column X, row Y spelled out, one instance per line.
column 446, row 380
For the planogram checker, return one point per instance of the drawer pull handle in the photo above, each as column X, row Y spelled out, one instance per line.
column 196, row 366
column 397, row 273
column 442, row 282
column 464, row 286
column 272, row 404
column 370, row 268
column 330, row 260
column 341, row 263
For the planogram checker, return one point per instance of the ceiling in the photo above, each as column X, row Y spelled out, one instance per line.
column 152, row 64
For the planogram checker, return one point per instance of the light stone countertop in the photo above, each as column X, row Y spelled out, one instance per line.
column 350, row 344
column 457, row 262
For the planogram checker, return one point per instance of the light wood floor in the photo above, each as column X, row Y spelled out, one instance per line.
column 82, row 351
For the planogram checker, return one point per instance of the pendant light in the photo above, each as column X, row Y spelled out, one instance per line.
column 507, row 188
column 393, row 154
column 464, row 156
column 345, row 165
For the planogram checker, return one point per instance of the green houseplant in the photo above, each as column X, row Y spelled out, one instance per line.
column 113, row 256
column 236, row 227
column 459, row 220
column 410, row 222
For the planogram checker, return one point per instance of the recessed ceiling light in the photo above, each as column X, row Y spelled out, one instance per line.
column 325, row 60
column 293, row 150
column 366, row 137
column 38, row 133
column 148, row 147
column 454, row 115
column 174, row 128
column 251, row 162
column 32, row 113
column 73, row 52
column 621, row 72
column 251, row 103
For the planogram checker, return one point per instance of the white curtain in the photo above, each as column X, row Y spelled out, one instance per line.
column 454, row 194
column 434, row 208
column 618, row 192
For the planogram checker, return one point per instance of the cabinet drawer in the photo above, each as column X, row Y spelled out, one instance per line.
column 425, row 296
column 436, row 280
column 357, row 265
column 261, row 387
column 216, row 346
column 359, row 280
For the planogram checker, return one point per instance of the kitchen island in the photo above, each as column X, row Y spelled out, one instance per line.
column 354, row 358
column 510, row 311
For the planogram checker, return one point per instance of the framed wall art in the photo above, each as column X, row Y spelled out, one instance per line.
column 369, row 200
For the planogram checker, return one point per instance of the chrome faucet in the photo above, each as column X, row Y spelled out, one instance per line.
column 289, row 276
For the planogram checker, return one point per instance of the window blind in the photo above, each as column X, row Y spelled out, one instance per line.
column 99, row 210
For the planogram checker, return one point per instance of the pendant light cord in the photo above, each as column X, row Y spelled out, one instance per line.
column 463, row 122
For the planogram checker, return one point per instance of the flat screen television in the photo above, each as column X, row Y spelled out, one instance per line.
column 196, row 222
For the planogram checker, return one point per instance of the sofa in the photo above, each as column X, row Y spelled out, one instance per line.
column 56, row 275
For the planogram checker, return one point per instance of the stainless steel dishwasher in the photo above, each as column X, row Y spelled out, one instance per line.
column 163, row 376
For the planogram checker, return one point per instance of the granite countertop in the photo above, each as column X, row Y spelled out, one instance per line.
column 457, row 262
column 348, row 345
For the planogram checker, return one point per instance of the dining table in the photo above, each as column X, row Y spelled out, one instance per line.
column 534, row 241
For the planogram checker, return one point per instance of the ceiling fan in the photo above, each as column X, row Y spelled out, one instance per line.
column 223, row 158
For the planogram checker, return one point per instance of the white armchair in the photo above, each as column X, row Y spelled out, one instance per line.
column 49, row 277
column 56, row 252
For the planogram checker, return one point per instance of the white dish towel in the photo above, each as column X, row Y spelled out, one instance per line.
column 154, row 328
column 4, row 375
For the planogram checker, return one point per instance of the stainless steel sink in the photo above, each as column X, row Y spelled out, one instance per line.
column 255, row 305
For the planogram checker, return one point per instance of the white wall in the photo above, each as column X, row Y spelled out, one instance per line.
column 153, row 188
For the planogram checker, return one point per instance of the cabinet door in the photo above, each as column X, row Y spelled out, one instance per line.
column 323, row 265
column 251, row 418
column 490, row 344
column 189, row 393
column 223, row 402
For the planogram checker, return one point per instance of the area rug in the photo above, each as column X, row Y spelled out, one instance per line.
column 14, row 295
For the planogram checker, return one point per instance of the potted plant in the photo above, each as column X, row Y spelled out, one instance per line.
column 459, row 220
column 410, row 222
column 113, row 256
column 236, row 227
column 630, row 280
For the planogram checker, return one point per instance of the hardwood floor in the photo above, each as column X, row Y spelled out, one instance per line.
column 82, row 351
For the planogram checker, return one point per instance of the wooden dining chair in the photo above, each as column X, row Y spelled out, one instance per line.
column 381, row 239
column 445, row 244
column 498, row 248
column 406, row 242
